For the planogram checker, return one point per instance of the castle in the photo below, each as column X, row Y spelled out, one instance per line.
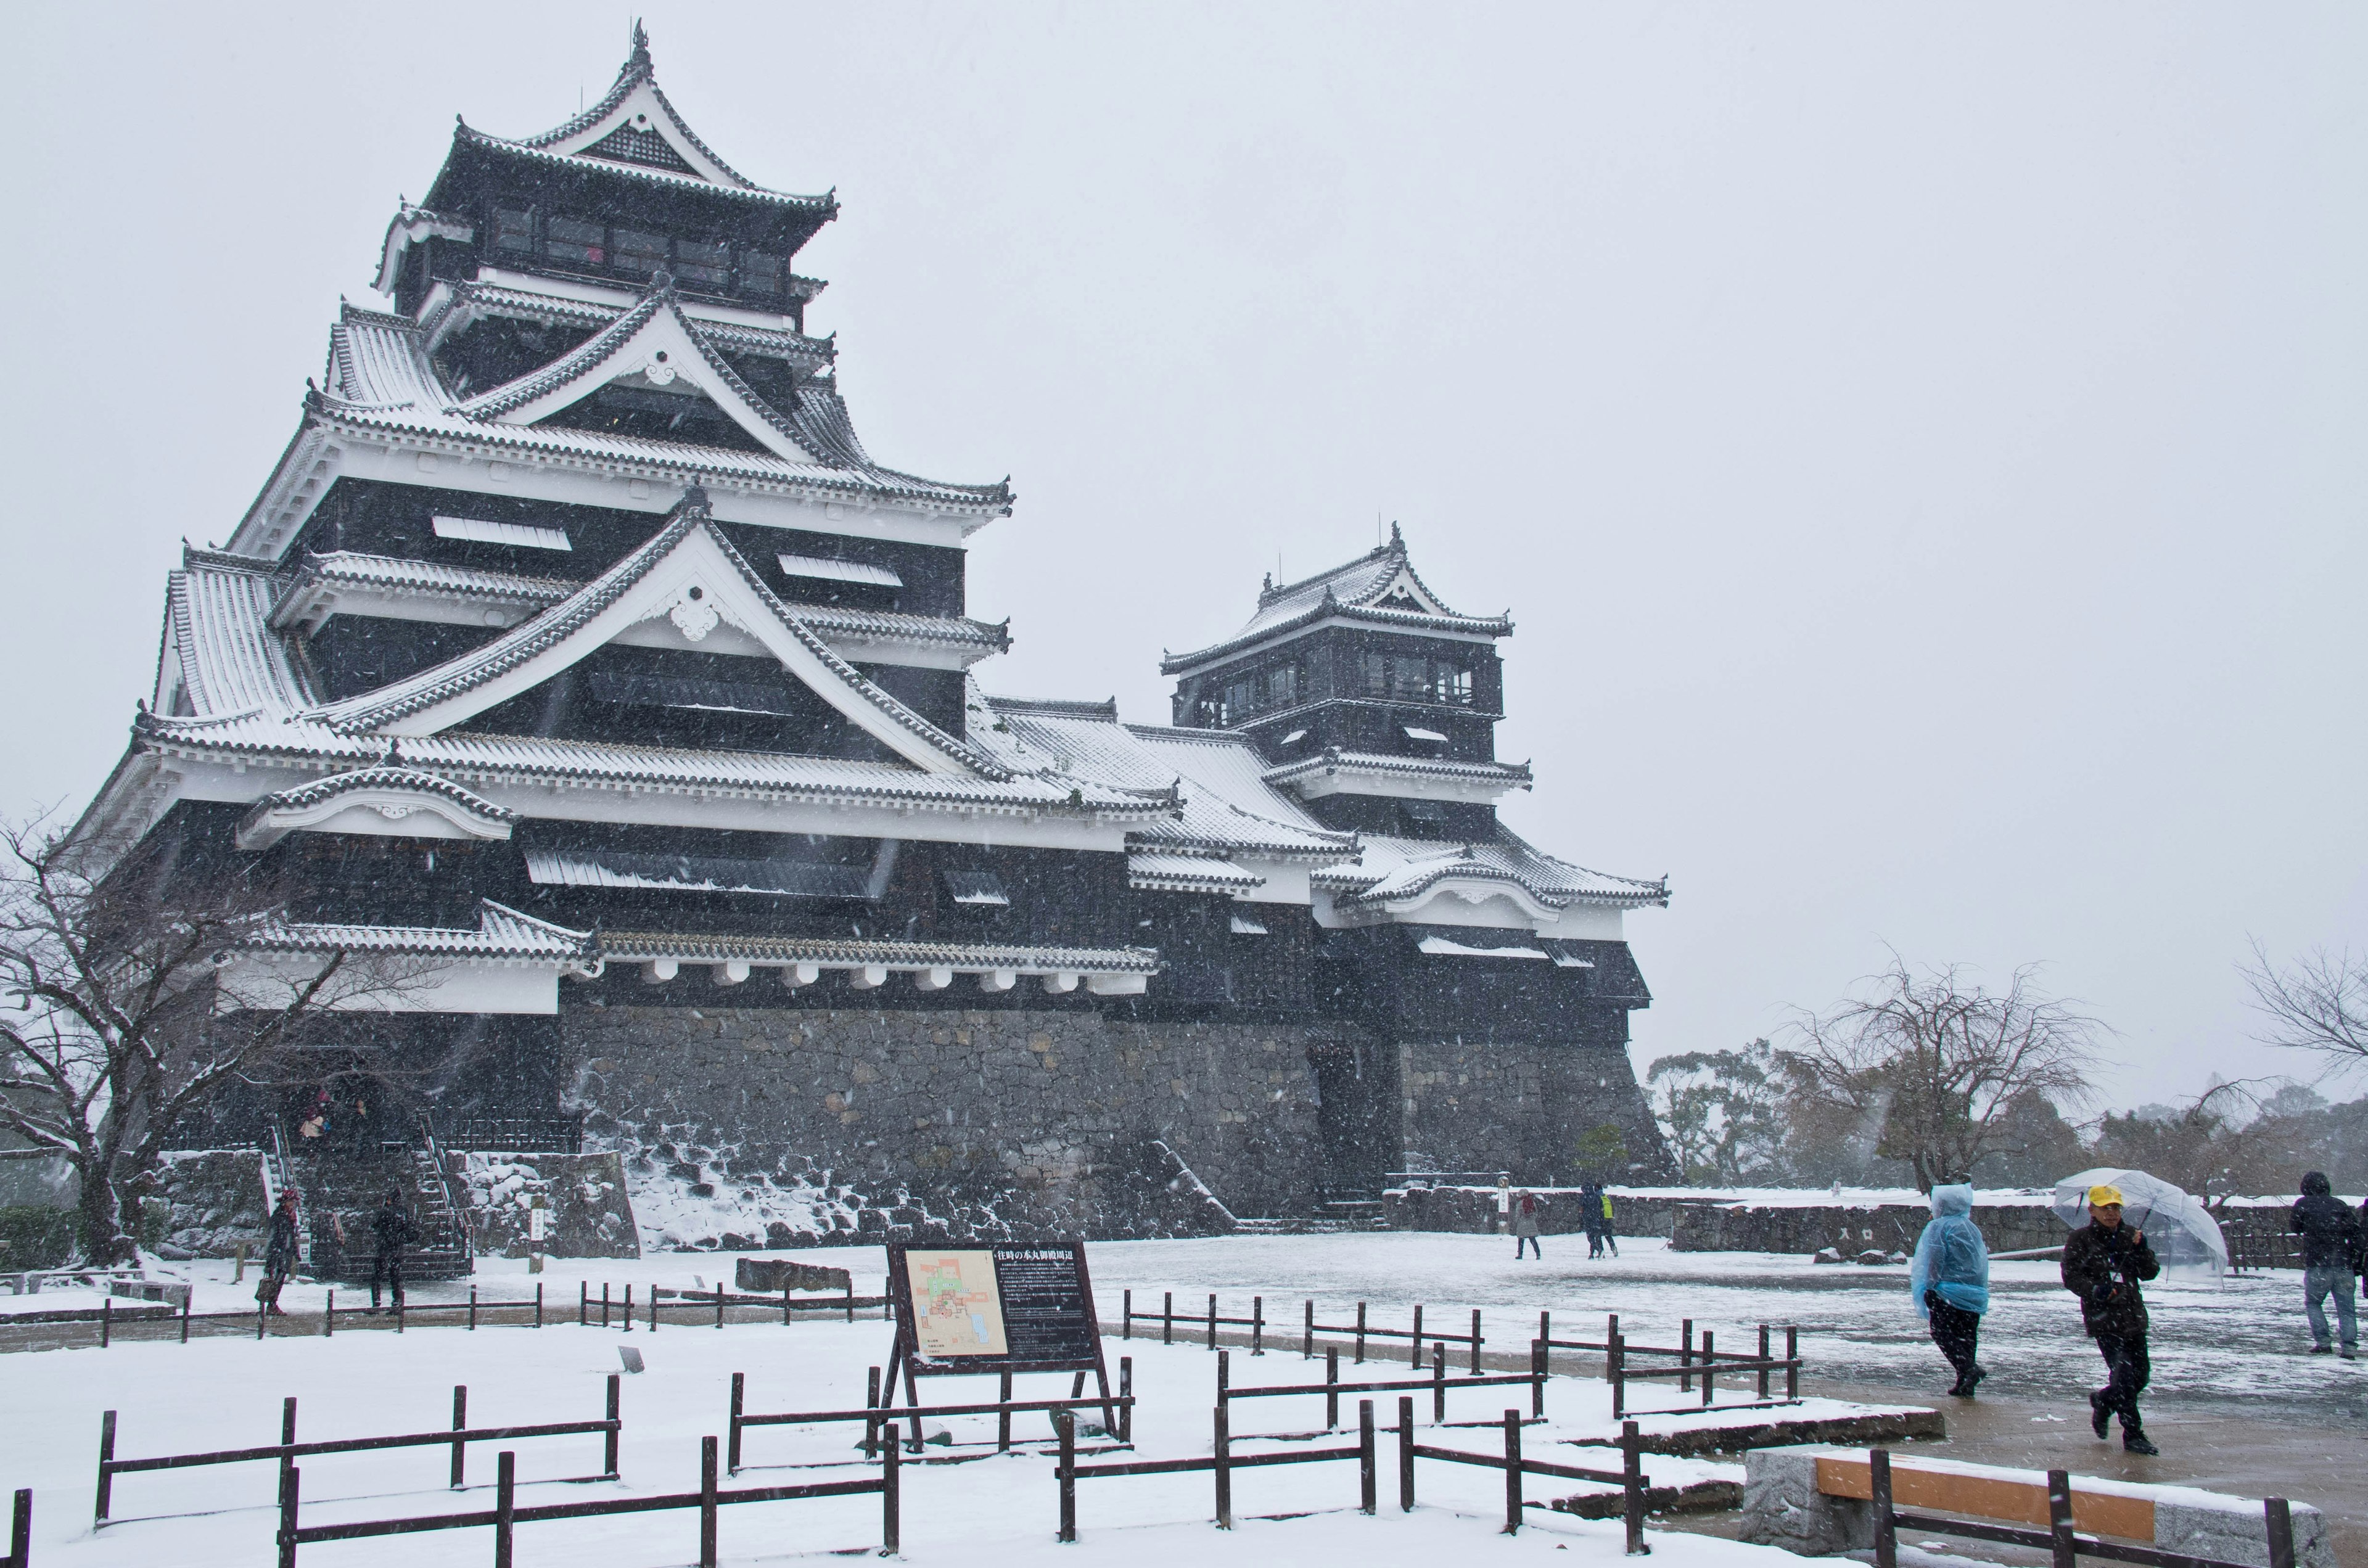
column 577, row 645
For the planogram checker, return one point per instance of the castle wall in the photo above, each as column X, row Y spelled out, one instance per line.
column 1524, row 1107
column 744, row 1125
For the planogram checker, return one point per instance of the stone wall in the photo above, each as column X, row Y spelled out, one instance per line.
column 1523, row 1109
column 1473, row 1210
column 743, row 1127
column 1852, row 1229
column 589, row 1213
column 212, row 1200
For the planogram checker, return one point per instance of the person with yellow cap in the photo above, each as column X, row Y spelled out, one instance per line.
column 2103, row 1263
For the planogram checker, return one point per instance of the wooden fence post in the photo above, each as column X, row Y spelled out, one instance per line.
column 20, row 1529
column 472, row 1309
column 1405, row 1453
column 1413, row 1348
column 106, row 1476
column 1610, row 1333
column 193, row 1296
column 291, row 1481
column 892, row 1504
column 1887, row 1525
column 1003, row 1417
column 1212, row 1321
column 583, row 1303
column 1538, row 1377
column 328, row 1318
column 1631, row 1491
column 1222, row 1469
column 870, row 1402
column 1361, row 1334
column 1258, row 1325
column 1792, row 1362
column 2275, row 1514
column 460, row 1424
column 1224, row 1375
column 1368, row 1483
column 1685, row 1356
column 1512, row 1472
column 1476, row 1342
column 1437, row 1382
column 1126, row 1315
column 731, row 1425
column 1709, row 1371
column 1331, row 1394
column 1307, row 1337
column 287, row 1429
column 505, row 1507
column 2066, row 1546
column 706, row 1501
column 615, row 1428
column 1126, row 1392
column 1613, row 1373
column 1168, row 1317
column 1065, row 1426
column 1763, row 1361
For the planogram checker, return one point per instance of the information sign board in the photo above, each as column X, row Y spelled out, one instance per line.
column 997, row 1308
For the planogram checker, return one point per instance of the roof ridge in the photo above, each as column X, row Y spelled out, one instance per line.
column 1272, row 592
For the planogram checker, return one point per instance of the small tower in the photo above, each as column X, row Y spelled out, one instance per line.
column 1372, row 699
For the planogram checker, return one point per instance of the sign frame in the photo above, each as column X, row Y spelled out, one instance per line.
column 905, row 1358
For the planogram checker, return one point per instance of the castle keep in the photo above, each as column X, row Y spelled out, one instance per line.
column 577, row 644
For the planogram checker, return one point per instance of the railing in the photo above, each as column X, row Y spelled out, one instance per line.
column 2064, row 1545
column 716, row 1300
column 1445, row 1178
column 1222, row 1462
column 559, row 1134
column 506, row 1516
column 1633, row 1481
column 1208, row 1324
column 288, row 1450
column 1438, row 1383
column 1690, row 1361
column 876, row 1416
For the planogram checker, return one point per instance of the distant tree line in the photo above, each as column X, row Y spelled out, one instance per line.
column 1923, row 1076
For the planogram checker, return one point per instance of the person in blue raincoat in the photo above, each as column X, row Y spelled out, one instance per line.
column 1950, row 1282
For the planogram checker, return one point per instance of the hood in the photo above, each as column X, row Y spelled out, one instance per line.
column 2315, row 1185
column 1957, row 1201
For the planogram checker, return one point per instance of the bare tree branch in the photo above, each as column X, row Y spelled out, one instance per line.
column 2317, row 1003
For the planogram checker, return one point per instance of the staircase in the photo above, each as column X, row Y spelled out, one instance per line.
column 1338, row 1217
column 343, row 1184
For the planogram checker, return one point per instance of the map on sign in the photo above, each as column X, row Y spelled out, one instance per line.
column 957, row 1305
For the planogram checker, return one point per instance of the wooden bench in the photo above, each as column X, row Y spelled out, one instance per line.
column 1819, row 1500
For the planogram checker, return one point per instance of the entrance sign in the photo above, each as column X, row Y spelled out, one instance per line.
column 970, row 1310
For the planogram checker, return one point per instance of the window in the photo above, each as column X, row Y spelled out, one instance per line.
column 637, row 250
column 697, row 263
column 1251, row 693
column 479, row 530
column 513, row 229
column 760, row 273
column 570, row 239
column 977, row 890
column 1416, row 677
column 827, row 571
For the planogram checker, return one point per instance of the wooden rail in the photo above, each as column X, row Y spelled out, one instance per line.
column 874, row 1415
column 1438, row 1383
column 1207, row 1322
column 506, row 1516
column 288, row 1450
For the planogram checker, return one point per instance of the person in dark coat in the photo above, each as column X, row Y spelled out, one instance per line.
column 2330, row 1256
column 2103, row 1263
column 1590, row 1211
column 278, row 1255
column 392, row 1227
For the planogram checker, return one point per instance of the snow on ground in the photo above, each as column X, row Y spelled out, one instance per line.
column 2238, row 1339
column 991, row 1509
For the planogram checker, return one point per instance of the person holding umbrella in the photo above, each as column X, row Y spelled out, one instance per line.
column 2103, row 1264
column 1949, row 1281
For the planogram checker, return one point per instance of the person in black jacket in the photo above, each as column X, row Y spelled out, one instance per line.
column 2331, row 1255
column 278, row 1253
column 2102, row 1264
column 392, row 1227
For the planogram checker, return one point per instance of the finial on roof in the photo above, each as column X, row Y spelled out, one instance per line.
column 1397, row 540
column 393, row 757
column 694, row 498
column 1268, row 586
column 661, row 281
column 641, row 55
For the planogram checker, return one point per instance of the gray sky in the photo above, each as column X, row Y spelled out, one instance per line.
column 1921, row 446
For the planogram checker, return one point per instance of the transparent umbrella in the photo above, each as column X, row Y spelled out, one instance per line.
column 2183, row 1232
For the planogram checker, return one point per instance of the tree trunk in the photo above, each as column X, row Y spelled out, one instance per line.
column 104, row 1241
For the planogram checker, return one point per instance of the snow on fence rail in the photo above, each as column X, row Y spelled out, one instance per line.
column 1358, row 1332
column 1332, row 1388
column 874, row 1415
column 288, row 1450
column 506, row 1516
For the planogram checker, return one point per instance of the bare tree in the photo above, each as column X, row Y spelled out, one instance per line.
column 2318, row 1004
column 136, row 991
column 1936, row 1061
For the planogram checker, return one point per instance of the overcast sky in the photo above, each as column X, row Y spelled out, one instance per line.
column 1921, row 446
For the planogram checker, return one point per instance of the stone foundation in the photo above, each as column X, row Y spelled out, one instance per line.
column 746, row 1127
column 1524, row 1108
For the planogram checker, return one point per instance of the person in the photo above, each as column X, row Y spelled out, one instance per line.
column 1525, row 1225
column 392, row 1227
column 1590, row 1210
column 1611, row 1235
column 278, row 1255
column 2330, row 1236
column 2103, row 1263
column 1949, row 1281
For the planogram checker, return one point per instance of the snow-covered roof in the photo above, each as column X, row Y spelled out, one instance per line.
column 1395, row 874
column 840, row 952
column 392, row 790
column 1332, row 759
column 1379, row 588
column 501, row 933
column 221, row 655
column 451, row 306
column 1227, row 805
column 1157, row 872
